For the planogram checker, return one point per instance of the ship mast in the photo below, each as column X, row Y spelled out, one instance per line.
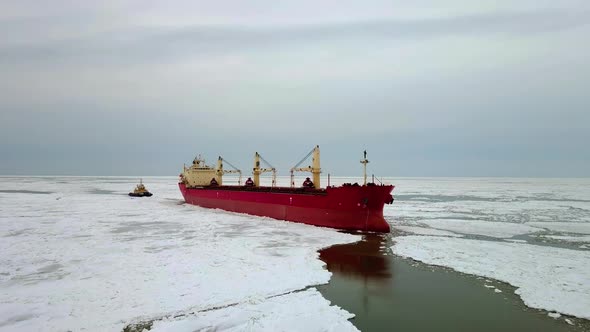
column 364, row 161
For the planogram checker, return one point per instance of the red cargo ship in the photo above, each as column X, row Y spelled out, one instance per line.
column 349, row 206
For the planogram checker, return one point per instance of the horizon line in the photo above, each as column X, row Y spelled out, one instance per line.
column 331, row 176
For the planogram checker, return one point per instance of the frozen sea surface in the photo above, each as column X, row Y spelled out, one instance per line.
column 76, row 253
column 554, row 279
column 526, row 232
column 301, row 311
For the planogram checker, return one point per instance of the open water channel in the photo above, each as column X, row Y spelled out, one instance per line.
column 389, row 293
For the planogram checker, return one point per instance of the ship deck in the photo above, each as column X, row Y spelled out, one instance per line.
column 277, row 190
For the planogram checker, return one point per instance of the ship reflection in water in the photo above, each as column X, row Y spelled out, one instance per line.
column 362, row 278
column 388, row 293
column 364, row 259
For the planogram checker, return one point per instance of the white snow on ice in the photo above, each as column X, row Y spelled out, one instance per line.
column 502, row 208
column 553, row 279
column 566, row 238
column 567, row 227
column 425, row 231
column 300, row 311
column 507, row 200
column 78, row 254
column 486, row 228
column 516, row 240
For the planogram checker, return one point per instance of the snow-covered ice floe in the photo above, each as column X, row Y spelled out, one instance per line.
column 553, row 279
column 568, row 238
column 483, row 200
column 568, row 227
column 511, row 209
column 76, row 253
column 299, row 311
column 425, row 231
column 485, row 228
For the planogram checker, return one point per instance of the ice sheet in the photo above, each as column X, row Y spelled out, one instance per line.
column 508, row 200
column 85, row 256
column 76, row 252
column 566, row 238
column 553, row 279
column 478, row 227
column 425, row 231
column 300, row 311
column 568, row 227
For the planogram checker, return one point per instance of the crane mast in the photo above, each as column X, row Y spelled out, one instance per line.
column 220, row 171
column 314, row 169
column 257, row 170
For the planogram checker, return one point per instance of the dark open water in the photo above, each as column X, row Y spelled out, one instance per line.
column 388, row 293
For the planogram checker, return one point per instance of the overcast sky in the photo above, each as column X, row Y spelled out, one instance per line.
column 428, row 88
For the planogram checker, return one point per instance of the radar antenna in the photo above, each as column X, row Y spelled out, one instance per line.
column 364, row 161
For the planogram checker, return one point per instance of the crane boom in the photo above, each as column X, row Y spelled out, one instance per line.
column 256, row 171
column 314, row 169
column 220, row 171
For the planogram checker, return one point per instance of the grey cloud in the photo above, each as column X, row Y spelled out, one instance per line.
column 137, row 45
column 511, row 99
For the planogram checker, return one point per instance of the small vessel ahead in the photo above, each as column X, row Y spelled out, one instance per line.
column 140, row 191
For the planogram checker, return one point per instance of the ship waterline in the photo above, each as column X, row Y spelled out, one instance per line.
column 345, row 207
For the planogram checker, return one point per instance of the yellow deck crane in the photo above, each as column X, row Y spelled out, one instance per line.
column 219, row 172
column 256, row 171
column 314, row 169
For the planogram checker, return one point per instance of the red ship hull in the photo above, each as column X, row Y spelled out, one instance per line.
column 345, row 207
